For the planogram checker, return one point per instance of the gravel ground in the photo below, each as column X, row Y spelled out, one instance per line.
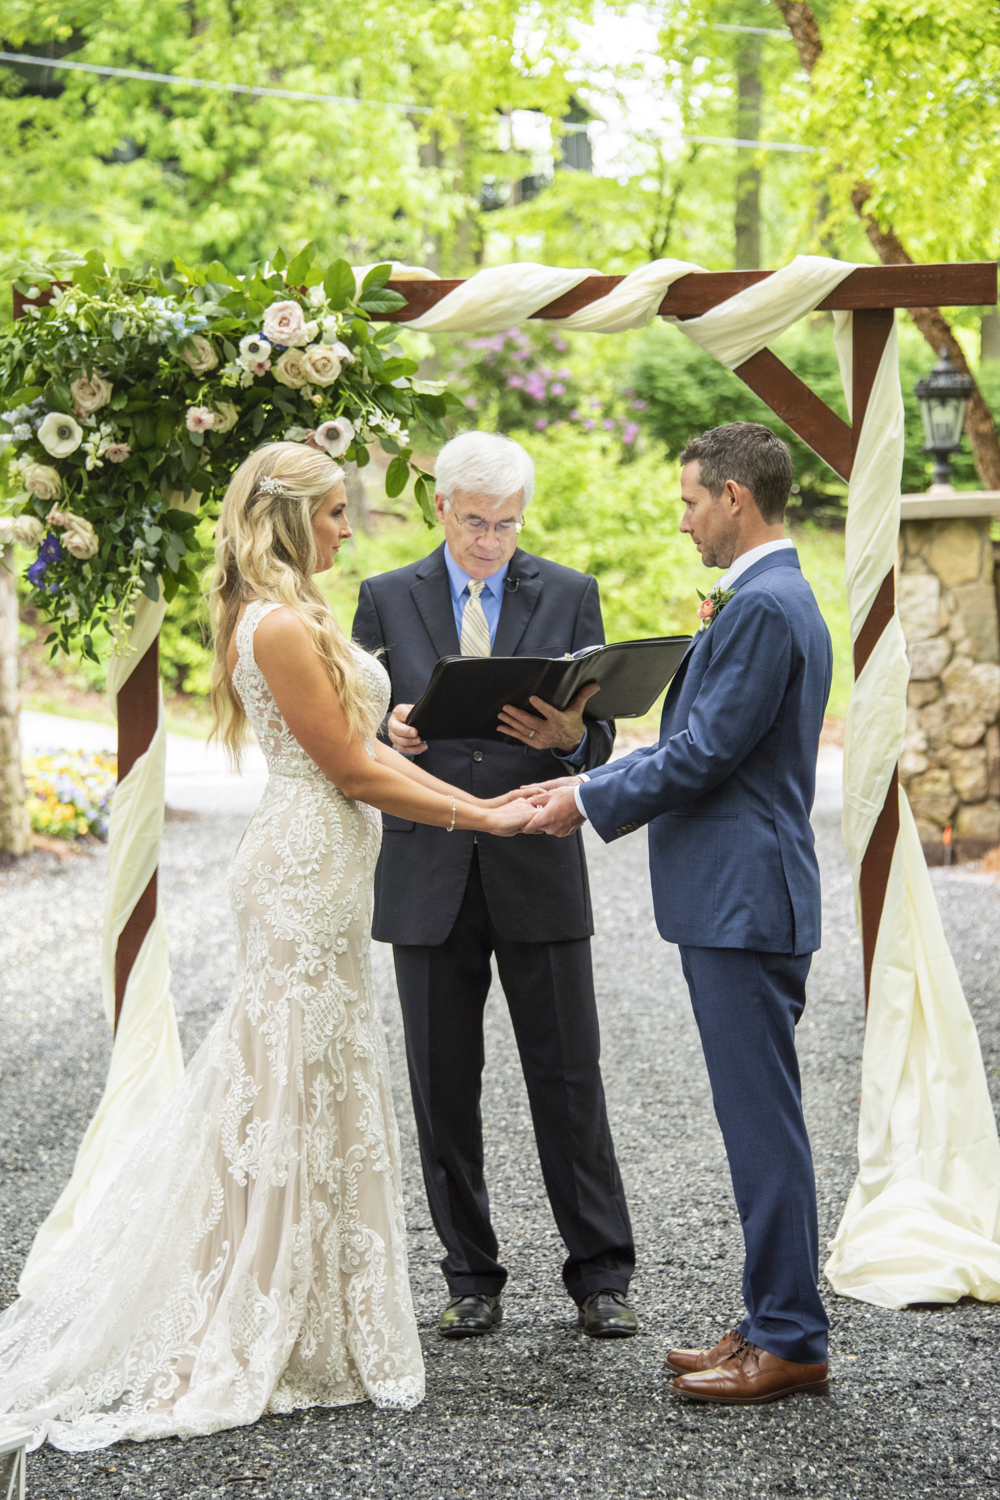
column 536, row 1409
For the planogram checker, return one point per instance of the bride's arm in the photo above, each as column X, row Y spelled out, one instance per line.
column 406, row 767
column 310, row 707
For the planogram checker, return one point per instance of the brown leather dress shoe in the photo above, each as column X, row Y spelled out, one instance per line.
column 750, row 1376
column 683, row 1361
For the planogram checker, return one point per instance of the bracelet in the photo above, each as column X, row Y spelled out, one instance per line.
column 451, row 825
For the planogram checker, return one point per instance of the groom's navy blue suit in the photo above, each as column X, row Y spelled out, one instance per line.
column 727, row 794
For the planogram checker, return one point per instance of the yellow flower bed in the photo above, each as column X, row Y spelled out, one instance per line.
column 69, row 792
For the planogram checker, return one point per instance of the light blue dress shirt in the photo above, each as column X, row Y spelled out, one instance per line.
column 491, row 600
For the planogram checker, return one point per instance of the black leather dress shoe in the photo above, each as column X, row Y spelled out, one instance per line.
column 607, row 1315
column 466, row 1317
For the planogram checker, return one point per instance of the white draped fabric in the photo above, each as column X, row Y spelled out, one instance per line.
column 922, row 1223
column 146, row 1059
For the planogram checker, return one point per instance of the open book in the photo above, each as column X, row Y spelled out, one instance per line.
column 466, row 693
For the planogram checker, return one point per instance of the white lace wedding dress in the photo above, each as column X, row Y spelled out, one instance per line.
column 251, row 1255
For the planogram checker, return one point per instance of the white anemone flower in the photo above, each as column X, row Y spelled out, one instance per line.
column 60, row 435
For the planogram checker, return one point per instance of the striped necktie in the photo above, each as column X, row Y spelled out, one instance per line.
column 475, row 630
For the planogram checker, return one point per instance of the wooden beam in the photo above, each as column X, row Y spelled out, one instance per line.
column 138, row 715
column 792, row 400
column 871, row 331
column 964, row 284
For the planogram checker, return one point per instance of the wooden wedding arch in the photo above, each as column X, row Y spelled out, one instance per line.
column 871, row 293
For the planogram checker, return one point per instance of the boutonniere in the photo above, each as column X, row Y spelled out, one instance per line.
column 712, row 604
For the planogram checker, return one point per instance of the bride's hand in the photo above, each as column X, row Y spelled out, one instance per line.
column 504, row 799
column 510, row 818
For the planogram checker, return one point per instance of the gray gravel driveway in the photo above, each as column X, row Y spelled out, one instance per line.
column 536, row 1409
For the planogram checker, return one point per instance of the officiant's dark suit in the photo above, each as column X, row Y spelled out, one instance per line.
column 447, row 900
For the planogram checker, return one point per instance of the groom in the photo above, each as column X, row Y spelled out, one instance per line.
column 727, row 794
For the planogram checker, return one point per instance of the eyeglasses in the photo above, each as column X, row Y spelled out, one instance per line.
column 479, row 527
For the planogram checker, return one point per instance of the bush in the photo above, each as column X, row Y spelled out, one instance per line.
column 688, row 391
column 69, row 793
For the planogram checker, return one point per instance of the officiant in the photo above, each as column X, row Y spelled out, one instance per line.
column 447, row 902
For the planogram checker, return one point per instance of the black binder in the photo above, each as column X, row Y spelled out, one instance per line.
column 466, row 693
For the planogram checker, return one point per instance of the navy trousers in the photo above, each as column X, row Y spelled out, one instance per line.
column 549, row 989
column 747, row 1005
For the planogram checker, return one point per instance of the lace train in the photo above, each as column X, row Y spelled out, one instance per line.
column 251, row 1256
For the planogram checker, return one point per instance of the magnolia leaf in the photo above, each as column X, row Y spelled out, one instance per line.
column 396, row 477
column 383, row 301
column 429, row 387
column 296, row 272
column 423, row 488
column 377, row 276
column 279, row 260
column 338, row 284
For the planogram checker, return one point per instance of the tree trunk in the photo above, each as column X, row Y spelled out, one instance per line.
column 15, row 829
column 980, row 427
column 750, row 92
column 358, row 509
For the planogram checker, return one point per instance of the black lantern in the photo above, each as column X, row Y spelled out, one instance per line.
column 943, row 396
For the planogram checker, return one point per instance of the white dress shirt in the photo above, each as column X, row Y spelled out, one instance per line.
column 735, row 571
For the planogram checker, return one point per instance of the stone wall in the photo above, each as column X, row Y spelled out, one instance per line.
column 950, row 764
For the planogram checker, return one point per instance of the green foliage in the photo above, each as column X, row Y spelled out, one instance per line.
column 150, row 168
column 905, row 98
column 688, row 391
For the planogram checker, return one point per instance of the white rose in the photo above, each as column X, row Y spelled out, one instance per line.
column 284, row 323
column 317, row 296
column 90, row 395
column 226, row 416
column 290, row 369
column 60, row 435
column 202, row 357
column 321, row 365
column 41, row 480
column 342, row 352
column 28, row 531
column 80, row 537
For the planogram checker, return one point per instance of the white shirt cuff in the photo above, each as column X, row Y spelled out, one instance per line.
column 579, row 800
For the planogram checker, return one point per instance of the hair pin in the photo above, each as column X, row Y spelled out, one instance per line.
column 270, row 485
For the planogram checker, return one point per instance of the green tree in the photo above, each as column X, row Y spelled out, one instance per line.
column 142, row 167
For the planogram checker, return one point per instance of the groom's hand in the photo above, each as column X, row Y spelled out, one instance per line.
column 558, row 813
column 548, row 728
column 534, row 787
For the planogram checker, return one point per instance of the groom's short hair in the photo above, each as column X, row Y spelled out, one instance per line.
column 752, row 455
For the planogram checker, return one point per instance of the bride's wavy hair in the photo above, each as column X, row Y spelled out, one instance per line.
column 264, row 549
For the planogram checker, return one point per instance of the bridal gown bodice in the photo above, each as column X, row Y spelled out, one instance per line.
column 251, row 1255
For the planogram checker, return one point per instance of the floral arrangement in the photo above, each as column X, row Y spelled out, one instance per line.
column 712, row 605
column 524, row 377
column 69, row 793
column 130, row 392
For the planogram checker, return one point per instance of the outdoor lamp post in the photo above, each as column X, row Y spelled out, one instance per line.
column 943, row 396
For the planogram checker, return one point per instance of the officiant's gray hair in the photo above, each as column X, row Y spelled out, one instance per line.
column 483, row 463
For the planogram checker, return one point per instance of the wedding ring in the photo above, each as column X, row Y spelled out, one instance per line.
column 531, row 734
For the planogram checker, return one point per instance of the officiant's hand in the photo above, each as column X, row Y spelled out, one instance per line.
column 402, row 736
column 556, row 812
column 549, row 728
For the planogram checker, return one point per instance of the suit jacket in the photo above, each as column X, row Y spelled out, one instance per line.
column 536, row 888
column 728, row 790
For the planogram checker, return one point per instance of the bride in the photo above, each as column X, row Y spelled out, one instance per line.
column 251, row 1255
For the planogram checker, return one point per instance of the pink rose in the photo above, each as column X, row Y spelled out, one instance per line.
column 199, row 419
column 284, row 323
column 706, row 609
column 117, row 453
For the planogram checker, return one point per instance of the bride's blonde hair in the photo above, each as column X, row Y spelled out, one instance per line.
column 264, row 548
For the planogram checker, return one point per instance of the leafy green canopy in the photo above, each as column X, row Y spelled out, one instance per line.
column 131, row 391
column 144, row 168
